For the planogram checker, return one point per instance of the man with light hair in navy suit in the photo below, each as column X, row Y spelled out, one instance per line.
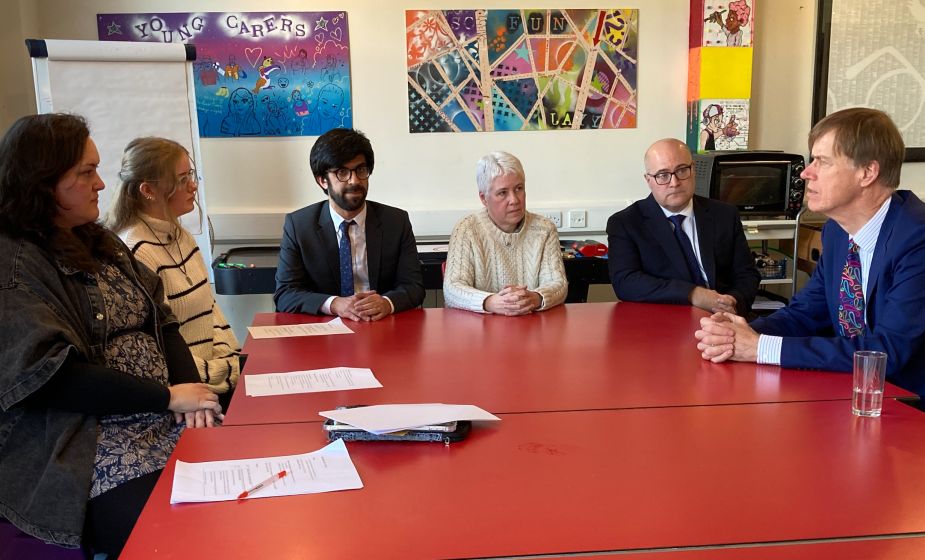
column 871, row 276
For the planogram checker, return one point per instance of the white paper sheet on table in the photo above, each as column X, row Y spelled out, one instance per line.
column 310, row 381
column 327, row 470
column 334, row 326
column 385, row 418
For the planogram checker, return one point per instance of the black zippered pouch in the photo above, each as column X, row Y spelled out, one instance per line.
column 459, row 432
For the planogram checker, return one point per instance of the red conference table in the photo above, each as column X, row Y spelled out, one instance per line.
column 902, row 548
column 574, row 357
column 569, row 482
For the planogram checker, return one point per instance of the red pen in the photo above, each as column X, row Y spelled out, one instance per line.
column 261, row 485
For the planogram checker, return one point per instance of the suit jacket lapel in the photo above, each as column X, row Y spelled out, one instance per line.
column 706, row 234
column 661, row 230
column 325, row 229
column 373, row 245
column 839, row 248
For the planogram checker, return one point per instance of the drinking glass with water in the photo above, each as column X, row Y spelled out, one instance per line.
column 869, row 377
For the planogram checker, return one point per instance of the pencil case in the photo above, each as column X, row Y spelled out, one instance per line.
column 458, row 432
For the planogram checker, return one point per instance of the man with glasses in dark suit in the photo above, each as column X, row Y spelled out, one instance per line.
column 347, row 256
column 675, row 247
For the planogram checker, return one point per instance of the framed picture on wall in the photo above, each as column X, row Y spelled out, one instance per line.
column 871, row 53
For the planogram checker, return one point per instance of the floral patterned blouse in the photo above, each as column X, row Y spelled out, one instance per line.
column 130, row 445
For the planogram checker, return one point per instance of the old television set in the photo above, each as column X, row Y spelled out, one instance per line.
column 761, row 184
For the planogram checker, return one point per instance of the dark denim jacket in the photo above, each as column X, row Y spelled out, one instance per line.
column 47, row 311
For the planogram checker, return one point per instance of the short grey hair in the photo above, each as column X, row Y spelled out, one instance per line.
column 493, row 166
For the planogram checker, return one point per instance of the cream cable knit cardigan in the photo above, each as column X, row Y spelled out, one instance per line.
column 202, row 324
column 482, row 260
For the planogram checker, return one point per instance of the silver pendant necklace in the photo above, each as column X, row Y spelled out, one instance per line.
column 165, row 246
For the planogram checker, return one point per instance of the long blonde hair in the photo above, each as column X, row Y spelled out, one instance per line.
column 149, row 160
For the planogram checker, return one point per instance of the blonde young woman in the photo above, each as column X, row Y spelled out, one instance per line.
column 158, row 185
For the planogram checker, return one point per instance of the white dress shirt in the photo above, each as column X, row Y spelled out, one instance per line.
column 357, row 252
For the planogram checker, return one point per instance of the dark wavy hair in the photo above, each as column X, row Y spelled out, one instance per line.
column 336, row 147
column 35, row 153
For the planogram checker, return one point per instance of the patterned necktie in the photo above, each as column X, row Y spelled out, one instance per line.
column 851, row 295
column 693, row 268
column 346, row 259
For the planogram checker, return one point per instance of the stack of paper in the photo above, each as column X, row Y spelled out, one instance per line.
column 310, row 381
column 335, row 326
column 386, row 418
column 326, row 470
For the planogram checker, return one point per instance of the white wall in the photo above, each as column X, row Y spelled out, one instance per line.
column 252, row 182
column 18, row 98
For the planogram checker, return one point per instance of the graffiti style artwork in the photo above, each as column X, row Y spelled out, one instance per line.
column 256, row 74
column 728, row 24
column 722, row 124
column 484, row 70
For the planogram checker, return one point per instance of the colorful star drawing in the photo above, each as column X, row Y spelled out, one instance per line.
column 321, row 23
column 114, row 29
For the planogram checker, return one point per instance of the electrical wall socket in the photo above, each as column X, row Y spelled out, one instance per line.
column 577, row 218
column 554, row 216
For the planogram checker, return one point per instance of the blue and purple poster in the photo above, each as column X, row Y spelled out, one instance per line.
column 257, row 74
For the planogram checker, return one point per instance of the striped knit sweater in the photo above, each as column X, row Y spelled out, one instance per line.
column 483, row 259
column 202, row 324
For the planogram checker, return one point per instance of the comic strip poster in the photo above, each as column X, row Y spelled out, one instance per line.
column 485, row 70
column 718, row 124
column 256, row 74
column 728, row 24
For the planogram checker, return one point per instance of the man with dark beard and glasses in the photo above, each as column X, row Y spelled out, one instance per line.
column 347, row 256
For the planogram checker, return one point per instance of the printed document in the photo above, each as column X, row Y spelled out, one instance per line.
column 385, row 418
column 327, row 470
column 310, row 381
column 335, row 326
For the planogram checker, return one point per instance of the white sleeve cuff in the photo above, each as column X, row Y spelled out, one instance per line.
column 326, row 306
column 769, row 349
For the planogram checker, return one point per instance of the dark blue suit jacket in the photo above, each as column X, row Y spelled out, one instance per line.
column 308, row 272
column 646, row 263
column 895, row 299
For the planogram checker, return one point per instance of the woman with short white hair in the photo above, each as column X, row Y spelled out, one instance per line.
column 504, row 259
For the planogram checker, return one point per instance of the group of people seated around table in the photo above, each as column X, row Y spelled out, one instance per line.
column 113, row 343
column 673, row 247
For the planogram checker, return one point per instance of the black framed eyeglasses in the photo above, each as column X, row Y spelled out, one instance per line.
column 343, row 173
column 664, row 177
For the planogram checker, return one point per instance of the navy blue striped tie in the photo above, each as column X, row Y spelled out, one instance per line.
column 693, row 268
column 346, row 259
